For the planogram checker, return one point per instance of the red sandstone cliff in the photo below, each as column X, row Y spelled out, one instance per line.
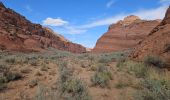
column 19, row 34
column 124, row 34
column 157, row 42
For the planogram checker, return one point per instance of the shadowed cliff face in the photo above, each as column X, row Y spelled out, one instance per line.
column 157, row 42
column 19, row 34
column 124, row 34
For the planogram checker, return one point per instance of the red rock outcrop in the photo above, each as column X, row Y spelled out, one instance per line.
column 124, row 34
column 157, row 42
column 19, row 34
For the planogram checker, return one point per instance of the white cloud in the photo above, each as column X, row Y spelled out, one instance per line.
column 165, row 2
column 54, row 22
column 74, row 30
column 150, row 14
column 147, row 14
column 102, row 22
column 110, row 3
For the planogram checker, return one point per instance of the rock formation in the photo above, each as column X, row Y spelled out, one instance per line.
column 124, row 34
column 19, row 34
column 157, row 42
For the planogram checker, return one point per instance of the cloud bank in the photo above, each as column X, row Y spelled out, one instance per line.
column 147, row 14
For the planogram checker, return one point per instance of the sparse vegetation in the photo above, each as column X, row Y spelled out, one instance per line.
column 139, row 69
column 102, row 77
column 154, row 90
column 79, row 74
column 33, row 83
column 71, row 86
column 154, row 61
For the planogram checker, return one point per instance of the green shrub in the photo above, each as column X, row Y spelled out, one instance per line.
column 70, row 85
column 120, row 62
column 77, row 89
column 11, row 76
column 104, row 59
column 44, row 68
column 154, row 90
column 2, row 86
column 122, row 84
column 44, row 93
column 154, row 61
column 33, row 62
column 139, row 69
column 33, row 83
column 10, row 60
column 102, row 77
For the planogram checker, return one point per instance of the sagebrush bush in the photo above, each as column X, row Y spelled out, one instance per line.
column 44, row 93
column 33, row 83
column 154, row 90
column 122, row 84
column 154, row 61
column 70, row 85
column 139, row 69
column 3, row 86
column 104, row 59
column 10, row 60
column 102, row 77
column 11, row 76
column 120, row 62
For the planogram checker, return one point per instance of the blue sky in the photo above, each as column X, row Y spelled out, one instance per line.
column 84, row 21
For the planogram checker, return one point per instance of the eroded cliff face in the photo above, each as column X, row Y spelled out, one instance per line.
column 156, row 43
column 125, row 34
column 19, row 34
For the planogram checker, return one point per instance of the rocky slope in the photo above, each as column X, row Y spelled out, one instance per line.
column 124, row 34
column 157, row 42
column 19, row 34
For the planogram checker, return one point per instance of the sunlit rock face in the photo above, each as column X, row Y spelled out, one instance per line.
column 124, row 34
column 156, row 43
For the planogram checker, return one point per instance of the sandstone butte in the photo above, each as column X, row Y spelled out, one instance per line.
column 125, row 34
column 19, row 34
column 157, row 42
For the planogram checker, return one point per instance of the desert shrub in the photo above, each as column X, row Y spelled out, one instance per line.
column 139, row 69
column 44, row 67
column 2, row 82
column 120, row 62
column 11, row 76
column 154, row 61
column 85, row 64
column 93, row 67
column 122, row 84
column 10, row 60
column 70, row 85
column 3, row 86
column 33, row 62
column 44, row 93
column 154, row 90
column 77, row 89
column 102, row 77
column 104, row 59
column 33, row 83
